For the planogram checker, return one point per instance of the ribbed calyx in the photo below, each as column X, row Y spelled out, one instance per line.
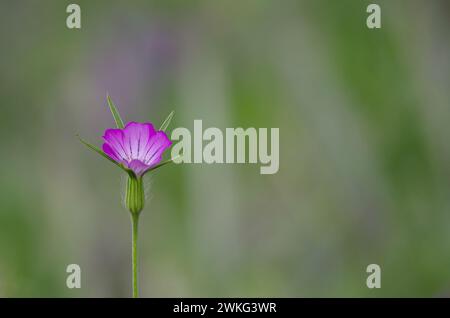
column 134, row 196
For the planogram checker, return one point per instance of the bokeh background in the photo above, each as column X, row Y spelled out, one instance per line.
column 364, row 147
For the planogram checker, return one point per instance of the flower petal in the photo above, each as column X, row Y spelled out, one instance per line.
column 158, row 143
column 110, row 152
column 137, row 137
column 138, row 167
column 115, row 139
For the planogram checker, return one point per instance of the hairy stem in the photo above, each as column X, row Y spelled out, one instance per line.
column 134, row 253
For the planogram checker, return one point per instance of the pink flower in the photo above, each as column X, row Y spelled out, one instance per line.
column 137, row 146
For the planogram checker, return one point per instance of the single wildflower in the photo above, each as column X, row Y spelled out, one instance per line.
column 136, row 148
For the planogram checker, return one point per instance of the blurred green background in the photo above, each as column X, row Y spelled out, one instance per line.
column 364, row 147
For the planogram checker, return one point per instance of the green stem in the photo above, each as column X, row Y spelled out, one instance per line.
column 134, row 253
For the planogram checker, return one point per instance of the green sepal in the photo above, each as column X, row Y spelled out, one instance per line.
column 101, row 153
column 166, row 122
column 115, row 113
column 160, row 165
column 134, row 195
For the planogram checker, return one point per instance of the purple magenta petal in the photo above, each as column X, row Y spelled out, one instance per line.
column 158, row 143
column 138, row 167
column 115, row 139
column 110, row 152
column 138, row 146
column 137, row 137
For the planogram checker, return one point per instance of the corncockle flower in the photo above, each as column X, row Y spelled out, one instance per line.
column 136, row 148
